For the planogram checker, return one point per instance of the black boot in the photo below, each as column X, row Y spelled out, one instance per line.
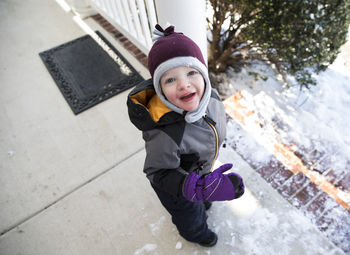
column 210, row 241
column 207, row 205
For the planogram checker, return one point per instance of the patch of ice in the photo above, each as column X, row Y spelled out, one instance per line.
column 156, row 227
column 178, row 245
column 146, row 248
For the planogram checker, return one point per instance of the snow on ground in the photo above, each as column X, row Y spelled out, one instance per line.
column 308, row 120
column 315, row 119
column 149, row 247
column 261, row 221
column 315, row 123
column 267, row 232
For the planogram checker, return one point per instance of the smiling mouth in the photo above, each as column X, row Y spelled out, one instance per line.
column 188, row 97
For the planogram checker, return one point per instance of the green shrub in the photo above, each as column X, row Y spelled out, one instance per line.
column 298, row 37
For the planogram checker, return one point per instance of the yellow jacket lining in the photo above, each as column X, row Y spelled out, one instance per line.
column 149, row 99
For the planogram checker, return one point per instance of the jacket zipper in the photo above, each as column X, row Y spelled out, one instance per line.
column 211, row 124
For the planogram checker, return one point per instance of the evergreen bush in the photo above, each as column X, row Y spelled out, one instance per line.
column 298, row 37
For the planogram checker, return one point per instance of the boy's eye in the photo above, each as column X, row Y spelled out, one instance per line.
column 169, row 80
column 192, row 72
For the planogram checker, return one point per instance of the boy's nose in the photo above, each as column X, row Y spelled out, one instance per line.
column 183, row 83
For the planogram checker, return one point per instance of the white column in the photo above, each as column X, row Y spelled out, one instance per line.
column 82, row 8
column 188, row 16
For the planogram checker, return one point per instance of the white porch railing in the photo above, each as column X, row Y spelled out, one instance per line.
column 134, row 18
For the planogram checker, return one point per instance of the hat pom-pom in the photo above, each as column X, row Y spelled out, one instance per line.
column 160, row 32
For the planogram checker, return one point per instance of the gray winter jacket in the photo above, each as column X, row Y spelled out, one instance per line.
column 174, row 147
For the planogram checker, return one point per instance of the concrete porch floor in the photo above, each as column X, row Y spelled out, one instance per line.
column 74, row 184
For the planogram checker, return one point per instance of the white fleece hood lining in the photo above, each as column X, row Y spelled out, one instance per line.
column 191, row 116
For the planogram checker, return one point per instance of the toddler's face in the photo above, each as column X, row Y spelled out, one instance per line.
column 183, row 86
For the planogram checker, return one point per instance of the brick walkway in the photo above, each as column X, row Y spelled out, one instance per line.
column 318, row 200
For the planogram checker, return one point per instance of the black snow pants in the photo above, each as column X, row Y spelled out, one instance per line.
column 190, row 218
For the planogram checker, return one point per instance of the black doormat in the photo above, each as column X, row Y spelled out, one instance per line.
column 86, row 74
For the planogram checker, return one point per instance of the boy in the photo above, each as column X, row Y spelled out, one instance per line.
column 183, row 124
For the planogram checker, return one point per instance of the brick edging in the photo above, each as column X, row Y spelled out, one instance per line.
column 132, row 48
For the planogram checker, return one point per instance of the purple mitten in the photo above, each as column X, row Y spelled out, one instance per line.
column 215, row 186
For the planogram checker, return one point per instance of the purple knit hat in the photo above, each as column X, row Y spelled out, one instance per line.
column 171, row 45
column 172, row 49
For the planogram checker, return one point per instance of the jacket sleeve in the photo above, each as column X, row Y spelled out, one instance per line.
column 162, row 163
